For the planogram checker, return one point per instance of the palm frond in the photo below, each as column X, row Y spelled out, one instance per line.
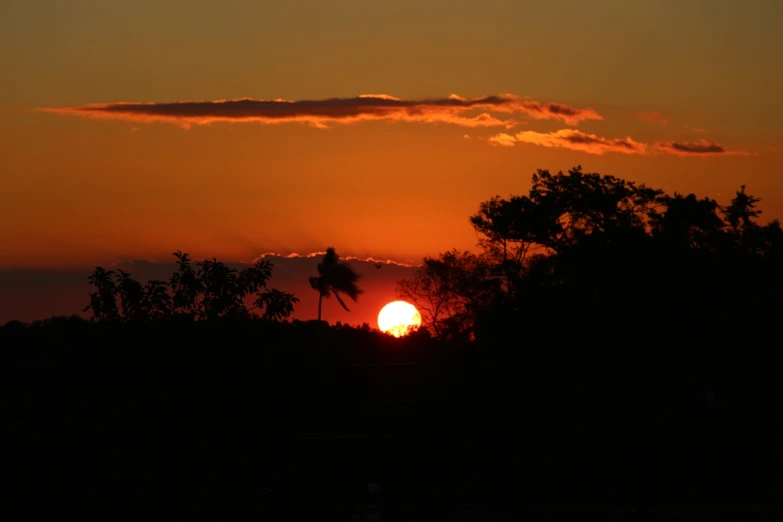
column 339, row 300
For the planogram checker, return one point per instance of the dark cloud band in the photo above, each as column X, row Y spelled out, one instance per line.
column 453, row 109
column 698, row 148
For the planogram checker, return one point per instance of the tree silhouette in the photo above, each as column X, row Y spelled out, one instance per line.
column 103, row 302
column 449, row 291
column 132, row 297
column 225, row 289
column 276, row 304
column 587, row 244
column 742, row 212
column 185, row 286
column 211, row 292
column 504, row 235
column 335, row 277
column 157, row 301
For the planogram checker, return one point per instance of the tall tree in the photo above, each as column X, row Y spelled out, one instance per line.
column 335, row 277
column 742, row 211
column 506, row 234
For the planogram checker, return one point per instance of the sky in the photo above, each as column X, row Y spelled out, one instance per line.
column 374, row 127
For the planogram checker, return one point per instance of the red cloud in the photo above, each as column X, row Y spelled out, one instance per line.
column 573, row 140
column 699, row 148
column 652, row 117
column 319, row 113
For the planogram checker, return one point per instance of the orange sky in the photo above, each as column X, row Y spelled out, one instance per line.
column 396, row 182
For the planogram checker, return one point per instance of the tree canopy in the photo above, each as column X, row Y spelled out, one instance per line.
column 595, row 247
column 211, row 291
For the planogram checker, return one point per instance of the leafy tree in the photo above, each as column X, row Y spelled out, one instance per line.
column 142, row 302
column 221, row 294
column 211, row 292
column 687, row 222
column 594, row 247
column 335, row 277
column 185, row 286
column 449, row 291
column 157, row 301
column 742, row 212
column 103, row 302
column 562, row 212
column 505, row 228
column 225, row 289
column 276, row 304
column 569, row 207
column 132, row 297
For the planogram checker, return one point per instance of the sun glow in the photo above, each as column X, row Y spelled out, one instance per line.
column 399, row 318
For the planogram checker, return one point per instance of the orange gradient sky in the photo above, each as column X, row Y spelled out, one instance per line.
column 684, row 96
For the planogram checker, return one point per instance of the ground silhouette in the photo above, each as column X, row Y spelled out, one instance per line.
column 610, row 347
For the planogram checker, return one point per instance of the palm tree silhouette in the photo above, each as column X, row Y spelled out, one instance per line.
column 335, row 277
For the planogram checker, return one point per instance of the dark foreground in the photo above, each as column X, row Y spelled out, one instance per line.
column 258, row 421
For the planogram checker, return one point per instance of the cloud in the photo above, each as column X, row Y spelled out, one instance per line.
column 366, row 107
column 652, row 117
column 503, row 140
column 571, row 139
column 310, row 255
column 698, row 148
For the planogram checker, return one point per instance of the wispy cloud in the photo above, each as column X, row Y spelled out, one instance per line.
column 294, row 255
column 573, row 140
column 652, row 117
column 698, row 148
column 453, row 109
column 503, row 140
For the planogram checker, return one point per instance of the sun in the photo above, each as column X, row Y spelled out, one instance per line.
column 399, row 318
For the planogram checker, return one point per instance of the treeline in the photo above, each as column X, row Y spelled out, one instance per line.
column 208, row 291
column 585, row 252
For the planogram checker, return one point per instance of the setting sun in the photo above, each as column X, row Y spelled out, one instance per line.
column 399, row 318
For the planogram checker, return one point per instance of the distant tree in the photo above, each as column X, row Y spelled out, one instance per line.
column 335, row 277
column 746, row 234
column 221, row 294
column 142, row 303
column 276, row 304
column 742, row 212
column 225, row 289
column 103, row 302
column 449, row 291
column 213, row 291
column 132, row 297
column 185, row 286
column 157, row 300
